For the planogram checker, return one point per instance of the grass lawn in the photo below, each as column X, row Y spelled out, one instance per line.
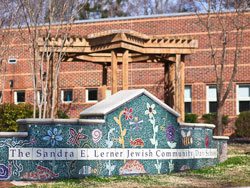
column 233, row 172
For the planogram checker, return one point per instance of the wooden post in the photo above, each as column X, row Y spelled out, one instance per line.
column 169, row 89
column 177, row 83
column 179, row 87
column 182, row 92
column 102, row 92
column 125, row 70
column 104, row 81
column 114, row 71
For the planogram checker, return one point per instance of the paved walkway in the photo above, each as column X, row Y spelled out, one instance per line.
column 8, row 184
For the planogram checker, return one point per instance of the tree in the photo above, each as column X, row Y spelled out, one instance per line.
column 103, row 9
column 224, row 28
column 8, row 14
column 46, row 22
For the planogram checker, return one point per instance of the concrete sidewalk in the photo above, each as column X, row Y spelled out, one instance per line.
column 8, row 184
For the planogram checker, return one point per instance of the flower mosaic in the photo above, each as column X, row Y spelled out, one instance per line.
column 150, row 110
column 170, row 133
column 128, row 113
column 53, row 136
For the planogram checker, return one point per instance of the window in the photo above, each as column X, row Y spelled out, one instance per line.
column 211, row 99
column 19, row 97
column 92, row 95
column 188, row 99
column 243, row 98
column 67, row 95
column 12, row 60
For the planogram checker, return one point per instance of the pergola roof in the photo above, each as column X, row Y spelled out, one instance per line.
column 126, row 46
column 96, row 47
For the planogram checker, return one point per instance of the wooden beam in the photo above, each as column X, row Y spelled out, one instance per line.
column 114, row 71
column 125, row 70
column 140, row 58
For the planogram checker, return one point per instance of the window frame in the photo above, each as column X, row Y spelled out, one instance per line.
column 15, row 96
column 189, row 99
column 62, row 96
column 87, row 95
column 1, row 97
column 241, row 99
column 12, row 60
column 208, row 100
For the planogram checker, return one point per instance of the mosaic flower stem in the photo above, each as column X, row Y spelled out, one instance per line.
column 122, row 131
column 153, row 140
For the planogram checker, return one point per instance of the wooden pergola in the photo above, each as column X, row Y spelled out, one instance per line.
column 126, row 46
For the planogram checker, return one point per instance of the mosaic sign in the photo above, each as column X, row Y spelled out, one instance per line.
column 138, row 137
column 108, row 154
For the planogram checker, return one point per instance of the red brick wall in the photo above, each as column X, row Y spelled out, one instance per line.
column 81, row 75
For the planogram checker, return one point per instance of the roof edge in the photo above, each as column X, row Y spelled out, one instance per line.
column 143, row 91
column 59, row 121
column 168, row 108
column 203, row 125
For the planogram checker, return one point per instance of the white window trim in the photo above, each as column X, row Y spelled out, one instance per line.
column 15, row 97
column 242, row 99
column 87, row 95
column 237, row 100
column 190, row 98
column 62, row 96
column 1, row 97
column 207, row 98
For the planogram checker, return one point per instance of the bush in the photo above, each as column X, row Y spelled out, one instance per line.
column 191, row 118
column 9, row 113
column 243, row 125
column 62, row 114
column 211, row 119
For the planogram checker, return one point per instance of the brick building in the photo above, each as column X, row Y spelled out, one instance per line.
column 80, row 81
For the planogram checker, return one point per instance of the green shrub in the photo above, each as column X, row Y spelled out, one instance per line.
column 9, row 113
column 211, row 118
column 191, row 118
column 62, row 114
column 243, row 125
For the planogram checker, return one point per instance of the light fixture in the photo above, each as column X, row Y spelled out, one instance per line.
column 11, row 84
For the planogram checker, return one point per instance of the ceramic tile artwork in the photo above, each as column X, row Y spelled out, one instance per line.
column 138, row 124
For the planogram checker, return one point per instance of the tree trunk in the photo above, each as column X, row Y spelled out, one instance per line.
column 35, row 103
column 219, row 124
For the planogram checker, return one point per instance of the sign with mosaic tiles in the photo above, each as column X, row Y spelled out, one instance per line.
column 136, row 135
